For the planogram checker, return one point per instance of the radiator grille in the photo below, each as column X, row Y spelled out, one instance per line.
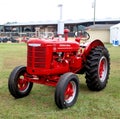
column 36, row 57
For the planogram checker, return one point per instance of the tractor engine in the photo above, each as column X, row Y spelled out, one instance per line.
column 52, row 57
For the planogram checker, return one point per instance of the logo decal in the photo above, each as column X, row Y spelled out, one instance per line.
column 34, row 45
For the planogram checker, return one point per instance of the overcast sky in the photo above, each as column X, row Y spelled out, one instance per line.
column 40, row 10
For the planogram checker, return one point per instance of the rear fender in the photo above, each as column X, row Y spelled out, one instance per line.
column 92, row 45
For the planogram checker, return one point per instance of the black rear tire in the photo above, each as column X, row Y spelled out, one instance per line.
column 67, row 90
column 17, row 84
column 97, row 68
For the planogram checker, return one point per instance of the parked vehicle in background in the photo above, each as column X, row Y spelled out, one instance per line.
column 8, row 39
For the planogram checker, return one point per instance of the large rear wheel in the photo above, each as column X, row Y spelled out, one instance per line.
column 97, row 68
column 67, row 90
column 17, row 84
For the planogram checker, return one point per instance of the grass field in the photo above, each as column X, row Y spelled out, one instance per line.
column 40, row 103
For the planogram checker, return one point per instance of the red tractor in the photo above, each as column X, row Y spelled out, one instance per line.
column 57, row 62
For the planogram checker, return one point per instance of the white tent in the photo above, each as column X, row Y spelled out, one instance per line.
column 115, row 34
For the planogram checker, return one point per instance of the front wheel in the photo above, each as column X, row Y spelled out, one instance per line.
column 17, row 84
column 97, row 68
column 67, row 90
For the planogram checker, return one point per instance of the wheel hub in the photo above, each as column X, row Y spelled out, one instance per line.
column 70, row 92
column 22, row 84
column 102, row 68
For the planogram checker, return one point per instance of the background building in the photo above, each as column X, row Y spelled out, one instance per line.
column 100, row 29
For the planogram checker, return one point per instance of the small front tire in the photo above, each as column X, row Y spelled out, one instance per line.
column 17, row 84
column 67, row 90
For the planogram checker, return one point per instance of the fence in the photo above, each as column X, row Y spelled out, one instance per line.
column 31, row 34
column 24, row 36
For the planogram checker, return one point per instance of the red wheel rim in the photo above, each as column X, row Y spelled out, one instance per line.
column 102, row 69
column 22, row 83
column 70, row 92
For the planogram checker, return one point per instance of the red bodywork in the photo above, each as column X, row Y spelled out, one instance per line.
column 48, row 59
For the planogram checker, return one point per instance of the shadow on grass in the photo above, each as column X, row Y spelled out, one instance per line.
column 42, row 96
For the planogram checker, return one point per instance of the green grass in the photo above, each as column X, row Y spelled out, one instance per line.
column 40, row 103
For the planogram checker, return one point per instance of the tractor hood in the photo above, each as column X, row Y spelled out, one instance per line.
column 57, row 45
